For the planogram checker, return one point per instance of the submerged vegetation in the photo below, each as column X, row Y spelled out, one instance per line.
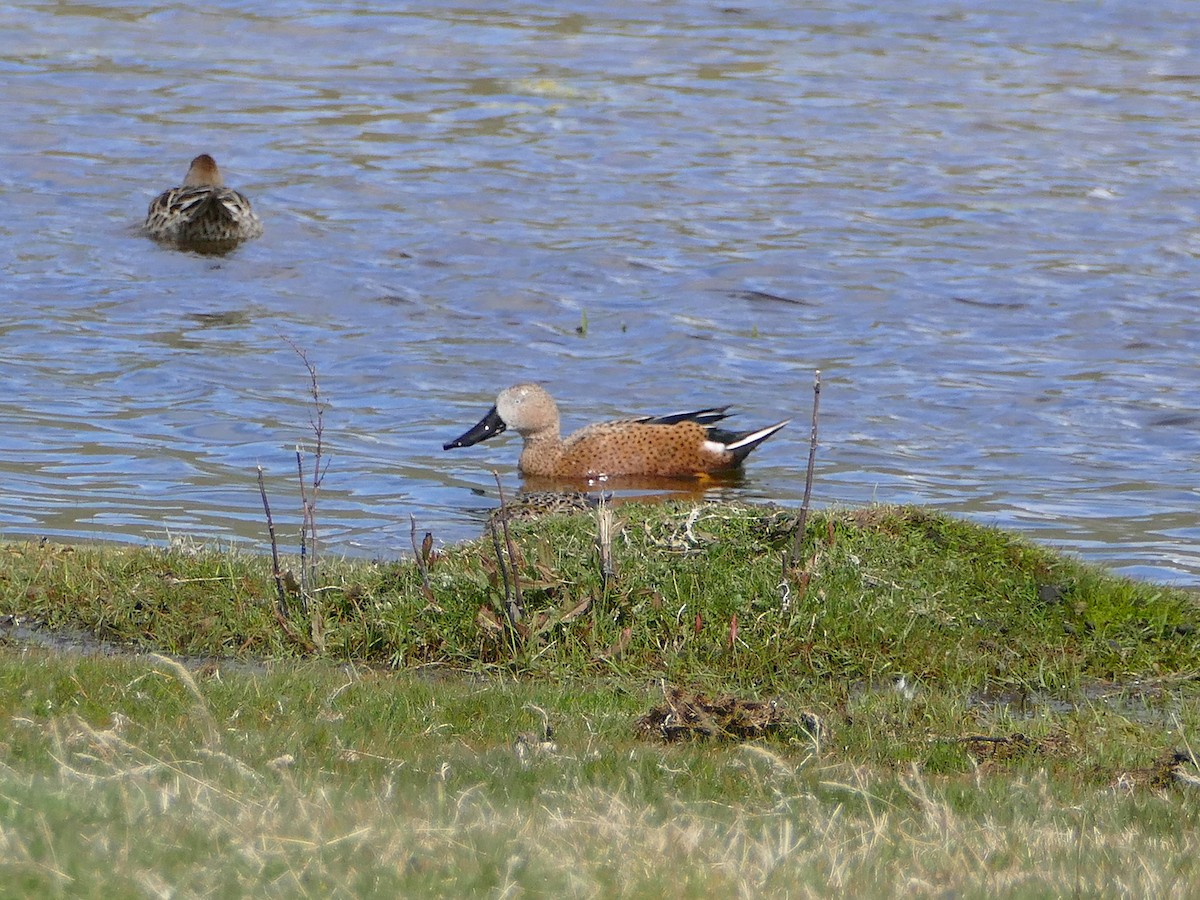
column 915, row 704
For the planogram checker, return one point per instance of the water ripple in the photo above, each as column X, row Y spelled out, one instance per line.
column 978, row 223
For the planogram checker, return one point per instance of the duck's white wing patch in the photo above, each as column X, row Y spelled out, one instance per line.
column 753, row 438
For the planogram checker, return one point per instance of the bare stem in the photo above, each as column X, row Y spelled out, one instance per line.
column 518, row 603
column 604, row 527
column 802, row 524
column 421, row 554
column 509, row 605
column 293, row 636
column 308, row 497
column 283, row 604
column 305, row 530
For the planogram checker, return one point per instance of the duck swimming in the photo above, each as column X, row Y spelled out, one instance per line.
column 202, row 213
column 676, row 445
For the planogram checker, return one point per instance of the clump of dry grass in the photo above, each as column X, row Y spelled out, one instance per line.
column 687, row 714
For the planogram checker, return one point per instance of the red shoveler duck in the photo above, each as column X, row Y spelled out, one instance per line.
column 202, row 213
column 672, row 446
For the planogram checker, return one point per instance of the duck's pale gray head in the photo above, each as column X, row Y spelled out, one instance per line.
column 525, row 408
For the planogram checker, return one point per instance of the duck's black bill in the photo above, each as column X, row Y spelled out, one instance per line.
column 489, row 426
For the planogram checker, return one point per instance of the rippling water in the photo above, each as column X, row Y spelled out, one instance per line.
column 980, row 224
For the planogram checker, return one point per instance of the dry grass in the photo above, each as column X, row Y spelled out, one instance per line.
column 129, row 809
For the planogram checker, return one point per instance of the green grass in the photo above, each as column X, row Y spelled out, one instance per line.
column 893, row 592
column 997, row 719
column 132, row 776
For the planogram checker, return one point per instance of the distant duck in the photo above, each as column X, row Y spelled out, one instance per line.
column 202, row 214
column 677, row 445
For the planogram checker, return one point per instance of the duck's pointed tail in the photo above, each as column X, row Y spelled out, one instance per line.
column 741, row 445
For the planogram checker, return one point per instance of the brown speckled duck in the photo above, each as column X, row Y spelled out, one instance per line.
column 677, row 445
column 202, row 213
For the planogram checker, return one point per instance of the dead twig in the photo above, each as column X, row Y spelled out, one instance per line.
column 802, row 524
column 501, row 565
column 293, row 636
column 305, row 520
column 282, row 604
column 516, row 603
column 604, row 530
column 421, row 555
column 309, row 491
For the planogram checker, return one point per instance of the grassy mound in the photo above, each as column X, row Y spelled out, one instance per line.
column 698, row 593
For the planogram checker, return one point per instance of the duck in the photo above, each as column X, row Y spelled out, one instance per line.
column 685, row 444
column 202, row 212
